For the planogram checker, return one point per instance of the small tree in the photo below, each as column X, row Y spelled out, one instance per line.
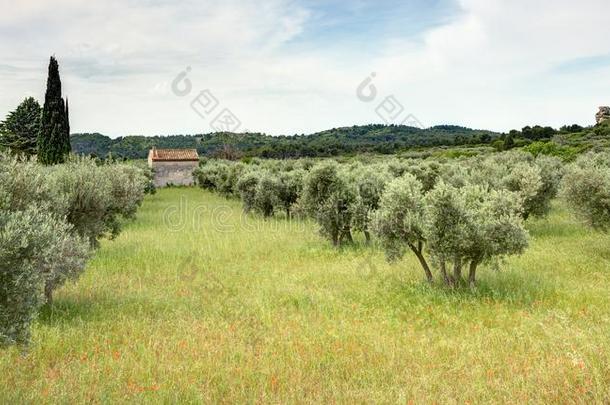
column 400, row 223
column 37, row 252
column 535, row 181
column 328, row 197
column 207, row 176
column 54, row 137
column 246, row 187
column 266, row 197
column 97, row 198
column 370, row 183
column 19, row 131
column 472, row 225
column 586, row 189
column 290, row 187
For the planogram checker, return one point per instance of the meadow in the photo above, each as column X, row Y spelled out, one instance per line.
column 195, row 302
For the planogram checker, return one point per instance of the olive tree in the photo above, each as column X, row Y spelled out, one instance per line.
column 289, row 189
column 37, row 250
column 586, row 189
column 401, row 220
column 266, row 197
column 472, row 225
column 534, row 180
column 212, row 176
column 97, row 198
column 370, row 183
column 246, row 187
column 328, row 197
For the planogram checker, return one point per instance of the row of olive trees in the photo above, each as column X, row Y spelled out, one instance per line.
column 448, row 213
column 51, row 217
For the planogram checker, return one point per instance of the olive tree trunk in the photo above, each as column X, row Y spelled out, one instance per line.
column 418, row 250
column 472, row 274
column 457, row 271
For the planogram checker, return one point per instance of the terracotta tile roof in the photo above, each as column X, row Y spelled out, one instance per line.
column 173, row 155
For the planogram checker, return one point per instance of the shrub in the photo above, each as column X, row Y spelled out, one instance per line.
column 211, row 175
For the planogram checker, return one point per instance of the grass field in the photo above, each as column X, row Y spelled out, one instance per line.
column 193, row 302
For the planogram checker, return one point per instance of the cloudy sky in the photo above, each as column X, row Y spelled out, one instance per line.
column 299, row 66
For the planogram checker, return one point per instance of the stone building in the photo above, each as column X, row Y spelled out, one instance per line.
column 173, row 166
column 603, row 115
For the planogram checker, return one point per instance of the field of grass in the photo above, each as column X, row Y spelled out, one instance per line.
column 195, row 302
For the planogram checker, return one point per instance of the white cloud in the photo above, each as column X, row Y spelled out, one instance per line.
column 491, row 65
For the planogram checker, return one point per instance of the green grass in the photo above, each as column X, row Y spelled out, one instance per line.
column 219, row 307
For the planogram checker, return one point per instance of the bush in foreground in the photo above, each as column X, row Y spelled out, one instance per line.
column 38, row 252
column 50, row 218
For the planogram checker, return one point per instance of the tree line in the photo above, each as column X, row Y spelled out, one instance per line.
column 381, row 139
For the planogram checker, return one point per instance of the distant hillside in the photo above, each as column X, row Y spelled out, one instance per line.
column 338, row 141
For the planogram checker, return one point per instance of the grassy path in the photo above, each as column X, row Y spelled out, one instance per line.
column 194, row 302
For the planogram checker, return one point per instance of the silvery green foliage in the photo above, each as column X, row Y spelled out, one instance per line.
column 472, row 225
column 586, row 189
column 535, row 181
column 397, row 167
column 246, row 187
column 290, row 187
column 97, row 198
column 212, row 176
column 370, row 182
column 551, row 174
column 128, row 185
column 38, row 251
column 23, row 183
column 229, row 185
column 402, row 220
column 427, row 172
column 49, row 217
column 328, row 197
column 266, row 197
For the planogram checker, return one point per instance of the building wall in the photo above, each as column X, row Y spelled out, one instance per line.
column 175, row 173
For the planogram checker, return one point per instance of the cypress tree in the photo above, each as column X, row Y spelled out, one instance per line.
column 54, row 137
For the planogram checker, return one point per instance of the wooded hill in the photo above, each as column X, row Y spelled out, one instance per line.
column 383, row 139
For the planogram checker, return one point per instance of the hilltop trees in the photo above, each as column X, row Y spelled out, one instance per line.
column 54, row 137
column 19, row 131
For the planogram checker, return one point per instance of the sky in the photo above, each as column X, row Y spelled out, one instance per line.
column 151, row 67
